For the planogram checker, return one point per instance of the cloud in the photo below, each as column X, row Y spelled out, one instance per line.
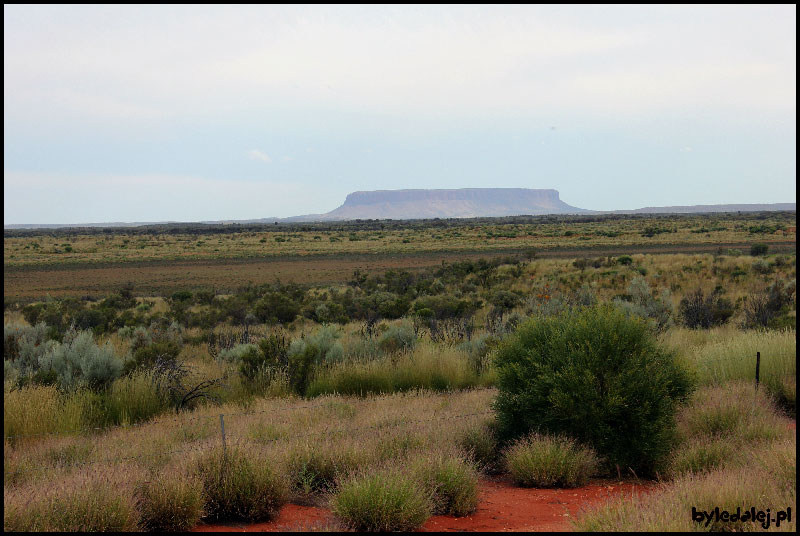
column 431, row 62
column 255, row 154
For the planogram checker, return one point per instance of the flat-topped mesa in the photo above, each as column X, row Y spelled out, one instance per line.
column 463, row 194
column 461, row 203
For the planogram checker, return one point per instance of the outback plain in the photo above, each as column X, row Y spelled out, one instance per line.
column 592, row 372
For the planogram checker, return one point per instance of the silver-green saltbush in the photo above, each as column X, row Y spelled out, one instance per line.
column 23, row 346
column 234, row 355
column 80, row 361
column 323, row 344
column 643, row 304
column 398, row 338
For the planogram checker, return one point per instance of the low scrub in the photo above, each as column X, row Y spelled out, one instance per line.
column 545, row 462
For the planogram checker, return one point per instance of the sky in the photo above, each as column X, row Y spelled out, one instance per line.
column 191, row 113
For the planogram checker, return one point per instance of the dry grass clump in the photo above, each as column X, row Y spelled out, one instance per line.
column 722, row 426
column 735, row 410
column 723, row 354
column 669, row 509
column 238, row 484
column 277, row 444
column 383, row 500
column 36, row 410
column 314, row 467
column 480, row 444
column 450, row 480
column 428, row 366
column 546, row 461
column 171, row 500
column 92, row 500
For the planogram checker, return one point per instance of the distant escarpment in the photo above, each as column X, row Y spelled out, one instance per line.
column 462, row 203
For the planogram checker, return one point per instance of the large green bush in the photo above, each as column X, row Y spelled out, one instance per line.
column 597, row 375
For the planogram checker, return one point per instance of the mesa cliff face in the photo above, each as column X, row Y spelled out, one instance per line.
column 462, row 203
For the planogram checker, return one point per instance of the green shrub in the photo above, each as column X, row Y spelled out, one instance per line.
column 758, row 249
column 271, row 355
column 146, row 356
column 545, row 461
column 150, row 345
column 24, row 344
column 597, row 375
column 23, row 349
column 761, row 266
column 771, row 307
column 383, row 501
column 238, row 487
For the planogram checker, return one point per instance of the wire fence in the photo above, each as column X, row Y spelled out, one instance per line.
column 180, row 420
column 232, row 441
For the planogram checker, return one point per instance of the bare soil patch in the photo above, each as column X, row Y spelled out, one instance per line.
column 502, row 507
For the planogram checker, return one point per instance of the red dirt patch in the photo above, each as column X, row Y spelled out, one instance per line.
column 505, row 507
column 292, row 517
column 502, row 507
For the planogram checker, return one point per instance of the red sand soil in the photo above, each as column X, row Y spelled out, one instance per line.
column 501, row 507
column 504, row 507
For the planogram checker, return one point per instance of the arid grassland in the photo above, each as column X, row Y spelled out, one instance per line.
column 384, row 370
column 163, row 259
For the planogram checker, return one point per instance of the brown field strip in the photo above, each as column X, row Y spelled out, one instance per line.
column 163, row 277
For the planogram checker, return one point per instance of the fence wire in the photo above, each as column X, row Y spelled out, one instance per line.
column 229, row 441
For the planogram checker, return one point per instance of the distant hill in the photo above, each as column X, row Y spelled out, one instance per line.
column 692, row 209
column 462, row 203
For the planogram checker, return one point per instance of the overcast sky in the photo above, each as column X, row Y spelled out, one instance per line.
column 205, row 113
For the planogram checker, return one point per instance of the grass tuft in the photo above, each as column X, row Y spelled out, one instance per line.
column 237, row 485
column 382, row 501
column 546, row 461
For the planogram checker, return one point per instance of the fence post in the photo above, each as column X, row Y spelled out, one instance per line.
column 222, row 427
column 758, row 366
